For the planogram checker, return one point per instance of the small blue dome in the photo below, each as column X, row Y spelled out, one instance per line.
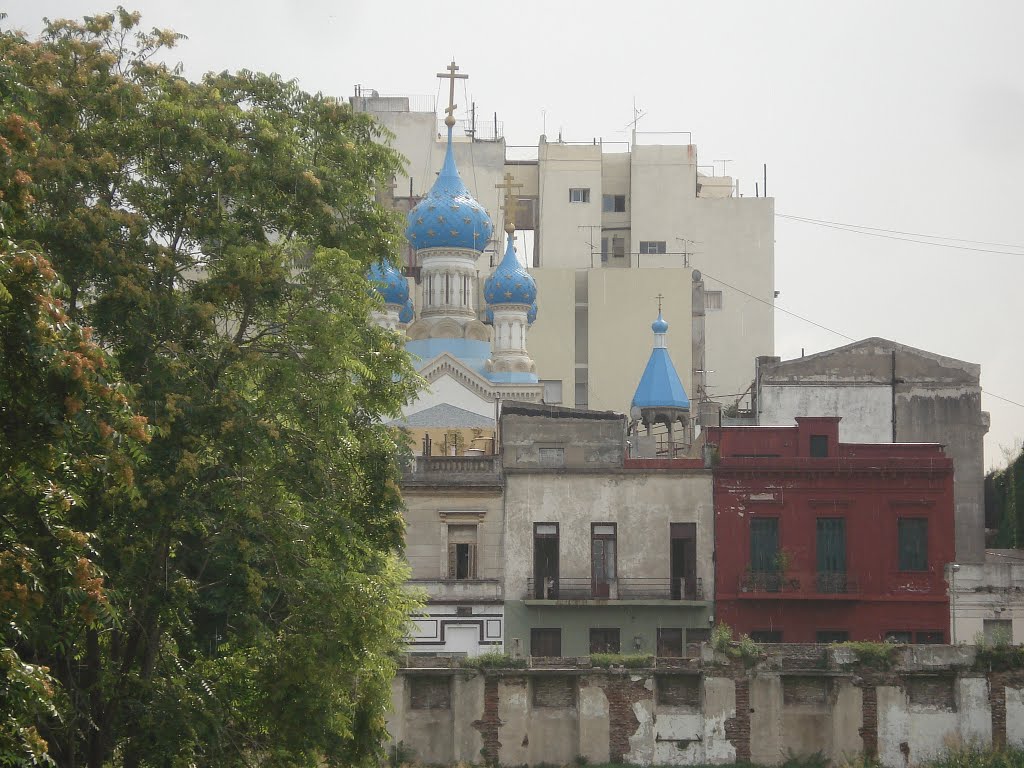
column 660, row 386
column 389, row 283
column 406, row 313
column 532, row 314
column 448, row 216
column 510, row 283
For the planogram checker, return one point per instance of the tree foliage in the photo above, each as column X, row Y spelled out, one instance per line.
column 244, row 527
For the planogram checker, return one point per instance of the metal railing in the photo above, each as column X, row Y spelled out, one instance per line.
column 814, row 582
column 616, row 589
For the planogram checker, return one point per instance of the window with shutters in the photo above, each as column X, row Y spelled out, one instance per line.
column 764, row 544
column 831, row 546
column 461, row 551
column 912, row 540
column 546, row 641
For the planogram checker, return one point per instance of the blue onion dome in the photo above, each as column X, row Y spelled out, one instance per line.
column 448, row 216
column 390, row 283
column 531, row 315
column 510, row 283
column 659, row 325
column 406, row 313
column 488, row 316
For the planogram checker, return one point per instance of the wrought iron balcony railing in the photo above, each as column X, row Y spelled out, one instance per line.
column 616, row 589
column 810, row 583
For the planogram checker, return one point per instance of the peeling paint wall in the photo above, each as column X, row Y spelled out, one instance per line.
column 712, row 710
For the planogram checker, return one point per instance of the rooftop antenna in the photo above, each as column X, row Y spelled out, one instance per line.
column 637, row 114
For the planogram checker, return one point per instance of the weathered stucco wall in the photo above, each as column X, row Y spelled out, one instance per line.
column 800, row 700
column 935, row 399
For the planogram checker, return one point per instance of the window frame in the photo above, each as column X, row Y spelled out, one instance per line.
column 454, row 543
column 609, row 203
column 583, row 195
column 612, row 637
column 535, row 636
column 653, row 247
column 905, row 566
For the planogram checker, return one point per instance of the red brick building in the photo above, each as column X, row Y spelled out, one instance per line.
column 822, row 541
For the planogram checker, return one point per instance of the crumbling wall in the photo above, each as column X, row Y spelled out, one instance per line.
column 712, row 710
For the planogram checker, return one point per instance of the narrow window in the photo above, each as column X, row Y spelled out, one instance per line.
column 912, row 535
column 579, row 195
column 618, row 246
column 819, row 446
column 670, row 642
column 461, row 551
column 545, row 562
column 604, row 640
column 602, row 559
column 764, row 544
column 831, row 545
column 683, row 561
column 545, row 642
column 604, row 249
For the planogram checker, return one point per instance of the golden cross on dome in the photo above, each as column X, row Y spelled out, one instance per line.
column 510, row 201
column 659, row 297
column 450, row 75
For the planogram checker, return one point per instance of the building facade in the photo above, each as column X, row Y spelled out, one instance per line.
column 887, row 392
column 818, row 540
column 609, row 226
column 987, row 599
column 602, row 554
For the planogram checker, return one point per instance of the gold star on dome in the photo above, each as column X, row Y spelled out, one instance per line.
column 419, row 220
column 508, row 294
column 453, row 232
column 431, row 232
column 440, row 219
column 412, row 236
column 467, row 220
column 455, row 207
column 431, row 207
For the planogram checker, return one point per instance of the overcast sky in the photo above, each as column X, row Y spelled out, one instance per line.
column 903, row 116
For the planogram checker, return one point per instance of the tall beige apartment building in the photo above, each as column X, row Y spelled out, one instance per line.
column 608, row 228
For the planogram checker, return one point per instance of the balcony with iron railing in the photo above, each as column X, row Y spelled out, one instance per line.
column 799, row 585
column 622, row 590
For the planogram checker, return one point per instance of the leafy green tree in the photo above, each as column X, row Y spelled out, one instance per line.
column 216, row 235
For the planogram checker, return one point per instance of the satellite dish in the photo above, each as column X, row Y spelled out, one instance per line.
column 697, row 276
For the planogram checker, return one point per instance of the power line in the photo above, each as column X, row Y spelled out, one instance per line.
column 824, row 328
column 773, row 305
column 861, row 230
column 900, row 231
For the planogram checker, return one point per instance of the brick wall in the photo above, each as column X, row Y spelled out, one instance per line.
column 678, row 690
column 737, row 729
column 622, row 692
column 489, row 723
